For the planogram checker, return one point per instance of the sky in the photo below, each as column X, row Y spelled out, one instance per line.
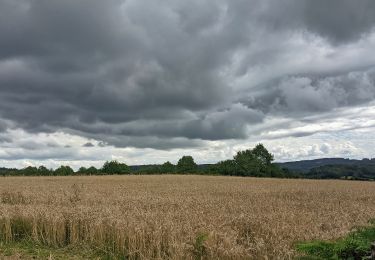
column 143, row 82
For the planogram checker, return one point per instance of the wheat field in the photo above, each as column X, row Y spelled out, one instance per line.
column 182, row 217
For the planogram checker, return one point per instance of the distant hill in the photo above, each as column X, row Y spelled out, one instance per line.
column 333, row 168
column 306, row 165
column 303, row 166
column 348, row 172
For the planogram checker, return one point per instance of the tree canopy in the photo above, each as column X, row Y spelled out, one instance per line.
column 253, row 162
column 64, row 171
column 114, row 167
column 186, row 165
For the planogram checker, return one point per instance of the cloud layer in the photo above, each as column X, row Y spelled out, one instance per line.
column 173, row 75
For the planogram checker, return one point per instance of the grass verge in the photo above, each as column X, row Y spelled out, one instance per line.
column 356, row 245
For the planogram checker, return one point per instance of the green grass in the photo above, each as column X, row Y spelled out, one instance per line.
column 27, row 249
column 356, row 245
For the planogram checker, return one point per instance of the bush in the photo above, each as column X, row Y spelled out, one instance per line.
column 356, row 245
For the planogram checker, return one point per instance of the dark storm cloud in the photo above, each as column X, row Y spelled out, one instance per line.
column 339, row 21
column 162, row 74
column 3, row 126
column 301, row 95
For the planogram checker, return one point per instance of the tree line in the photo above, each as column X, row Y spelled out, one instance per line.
column 359, row 171
column 257, row 162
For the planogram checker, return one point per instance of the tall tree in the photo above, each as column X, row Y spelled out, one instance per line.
column 262, row 154
column 167, row 167
column 186, row 165
column 254, row 162
column 114, row 167
column 64, row 171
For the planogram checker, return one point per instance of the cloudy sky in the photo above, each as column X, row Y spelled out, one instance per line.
column 84, row 81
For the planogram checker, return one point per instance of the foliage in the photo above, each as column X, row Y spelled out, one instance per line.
column 63, row 171
column 305, row 166
column 30, row 171
column 356, row 245
column 319, row 249
column 262, row 155
column 43, row 171
column 251, row 162
column 254, row 162
column 145, row 169
column 114, row 167
column 167, row 167
column 351, row 172
column 227, row 167
column 199, row 248
column 88, row 171
column 186, row 165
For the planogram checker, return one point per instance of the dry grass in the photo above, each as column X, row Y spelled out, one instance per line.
column 182, row 217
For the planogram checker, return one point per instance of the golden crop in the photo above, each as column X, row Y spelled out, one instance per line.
column 182, row 217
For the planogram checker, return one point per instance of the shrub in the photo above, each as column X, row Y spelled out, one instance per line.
column 356, row 245
column 199, row 248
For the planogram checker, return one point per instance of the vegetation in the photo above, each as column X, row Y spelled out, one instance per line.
column 88, row 171
column 186, row 165
column 63, row 171
column 333, row 168
column 178, row 216
column 256, row 162
column 251, row 162
column 356, row 245
column 305, row 166
column 350, row 172
column 114, row 167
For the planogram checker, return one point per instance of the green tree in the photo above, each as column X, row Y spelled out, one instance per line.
column 92, row 171
column 148, row 169
column 261, row 153
column 30, row 171
column 82, row 170
column 114, row 167
column 88, row 171
column 227, row 167
column 43, row 171
column 254, row 162
column 186, row 165
column 167, row 167
column 246, row 163
column 64, row 171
